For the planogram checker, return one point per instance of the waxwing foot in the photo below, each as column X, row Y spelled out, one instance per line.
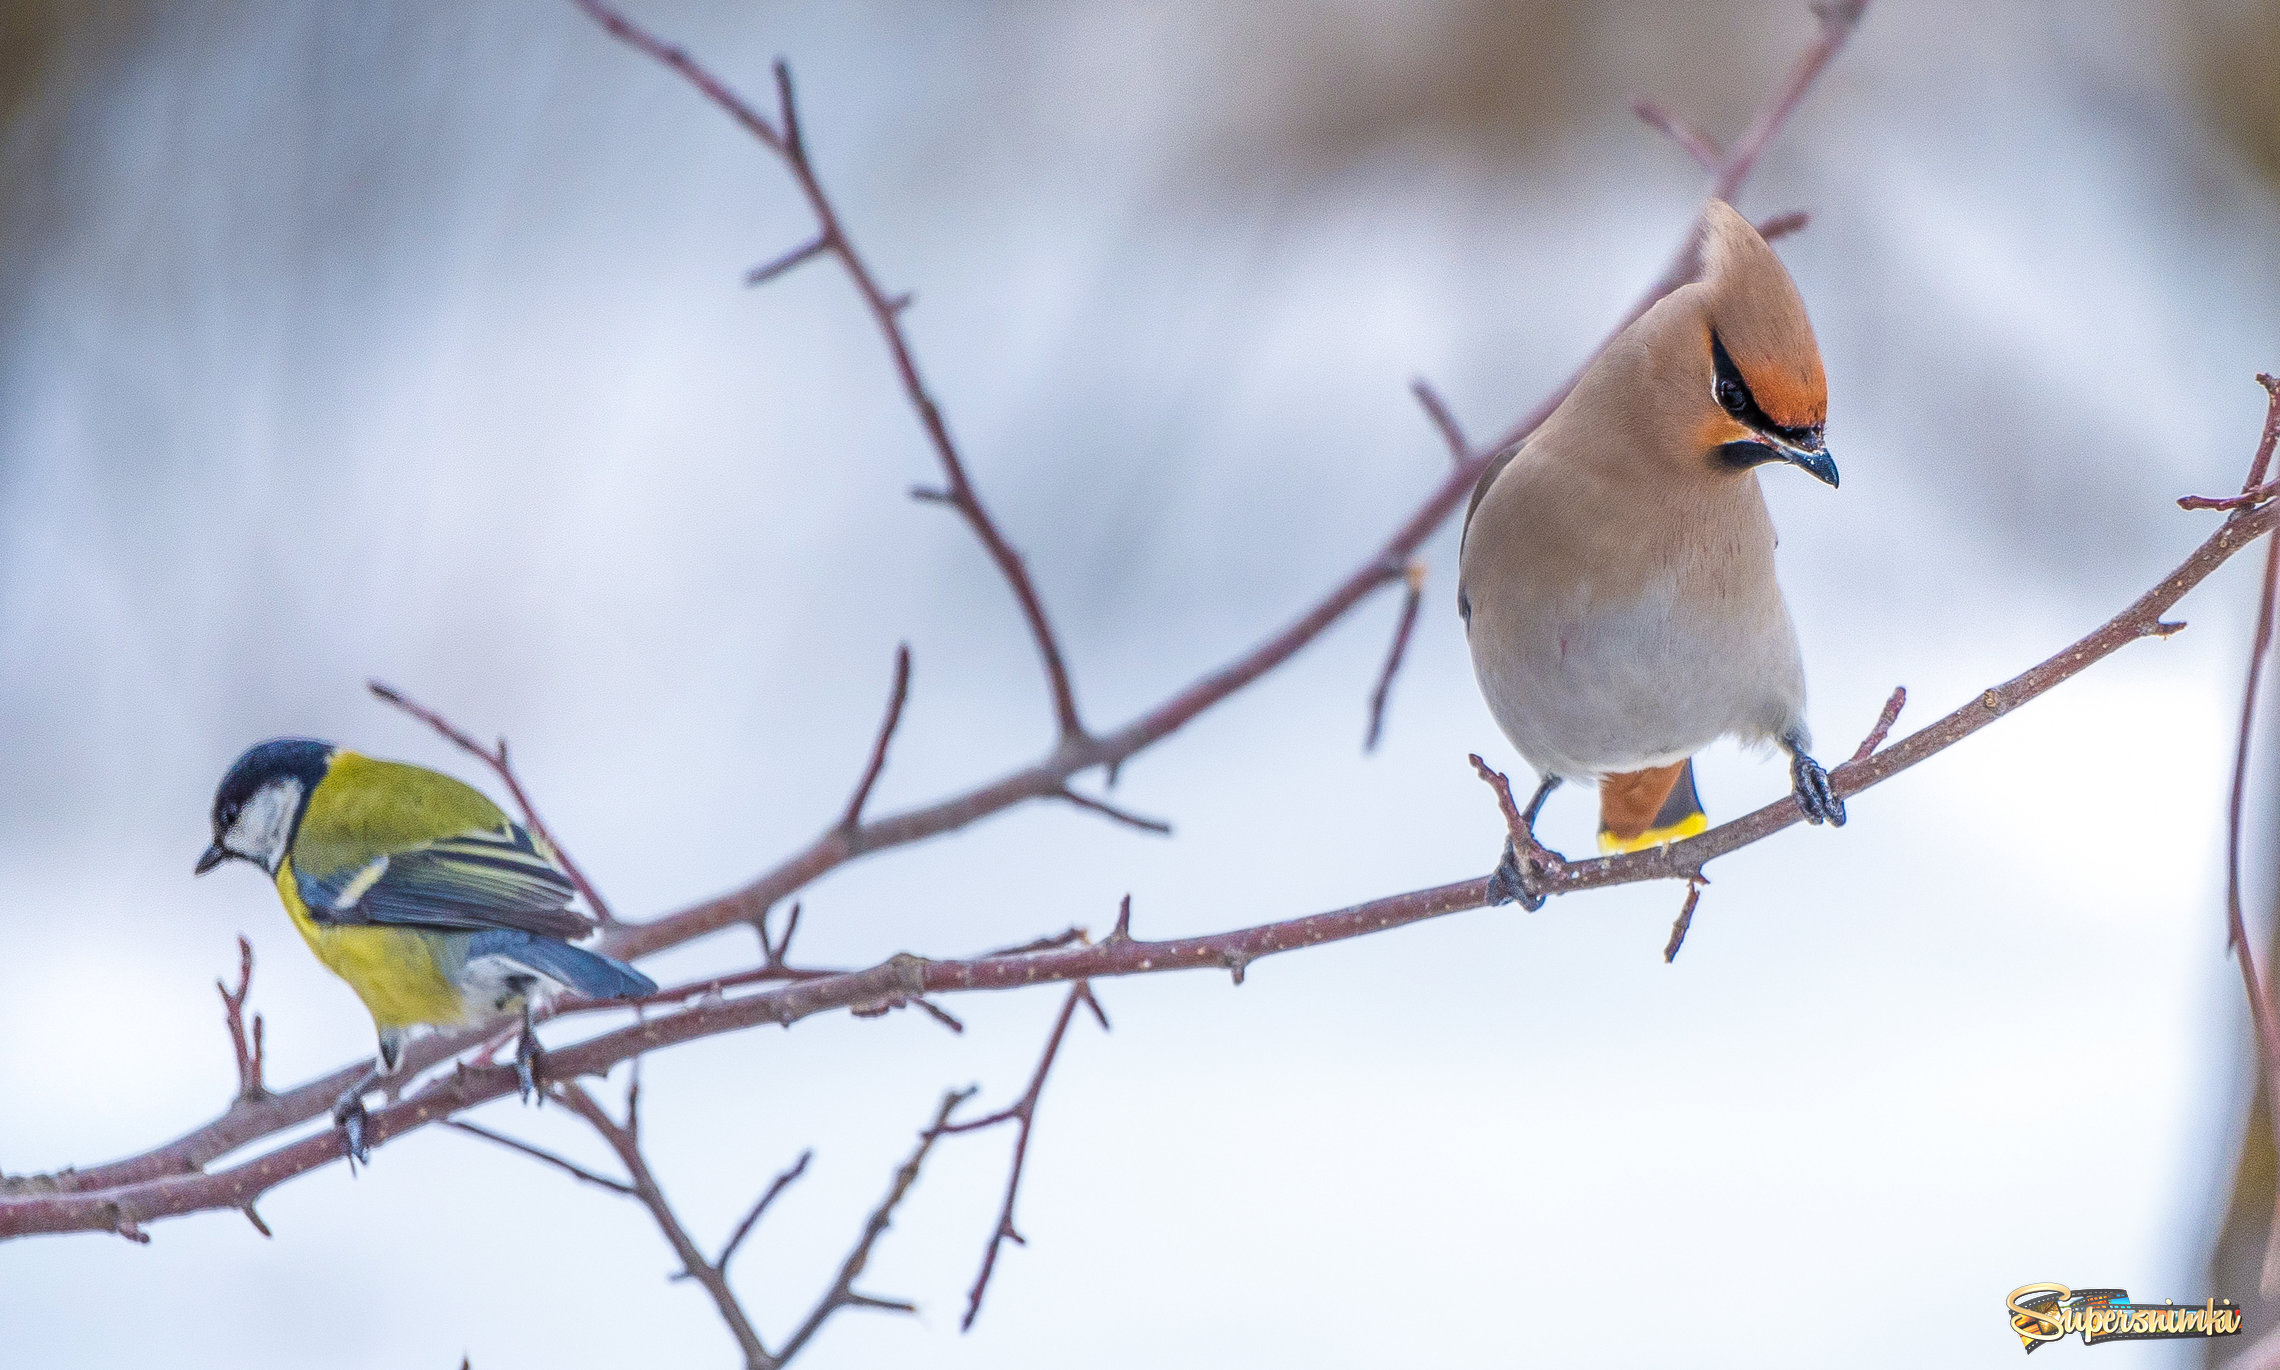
column 528, row 1054
column 1814, row 793
column 1509, row 886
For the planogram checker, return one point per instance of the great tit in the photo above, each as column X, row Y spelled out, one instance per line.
column 434, row 906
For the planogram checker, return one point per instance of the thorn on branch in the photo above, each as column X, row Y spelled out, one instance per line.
column 897, row 693
column 941, row 1015
column 258, row 1224
column 1122, row 932
column 1413, row 576
column 927, row 494
column 246, row 1047
column 1446, row 422
column 1697, row 144
column 896, row 304
column 1685, row 918
column 1108, row 810
column 777, row 266
column 1883, row 728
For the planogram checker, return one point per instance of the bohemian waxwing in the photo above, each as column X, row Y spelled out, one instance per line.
column 1616, row 571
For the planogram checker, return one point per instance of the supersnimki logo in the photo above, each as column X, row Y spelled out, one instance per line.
column 2044, row 1313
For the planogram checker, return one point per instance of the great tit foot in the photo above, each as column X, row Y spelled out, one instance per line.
column 349, row 1117
column 1508, row 885
column 528, row 1054
column 1814, row 793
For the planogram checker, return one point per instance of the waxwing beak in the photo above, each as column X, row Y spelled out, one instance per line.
column 214, row 855
column 1817, row 460
column 1811, row 456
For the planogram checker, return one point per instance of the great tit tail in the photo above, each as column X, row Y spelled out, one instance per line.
column 1649, row 808
column 590, row 973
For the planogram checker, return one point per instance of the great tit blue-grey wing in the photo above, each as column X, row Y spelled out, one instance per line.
column 496, row 878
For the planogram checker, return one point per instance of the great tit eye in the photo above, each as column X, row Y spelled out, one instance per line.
column 1731, row 395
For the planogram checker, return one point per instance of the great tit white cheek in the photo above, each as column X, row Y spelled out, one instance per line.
column 263, row 826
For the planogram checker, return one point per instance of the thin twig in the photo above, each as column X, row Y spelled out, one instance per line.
column 496, row 759
column 770, row 270
column 1023, row 1114
column 1883, row 728
column 760, row 1207
column 569, row 1167
column 1414, row 575
column 896, row 694
column 1442, row 419
column 625, row 1139
column 842, row 1293
column 2260, row 1009
column 1125, row 816
column 1699, row 145
column 783, row 138
column 773, row 953
column 1780, row 226
column 246, row 1047
column 1685, row 919
column 1047, row 943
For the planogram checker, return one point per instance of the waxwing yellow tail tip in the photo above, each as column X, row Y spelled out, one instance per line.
column 1611, row 845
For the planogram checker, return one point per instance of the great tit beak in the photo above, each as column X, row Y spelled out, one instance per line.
column 214, row 855
column 1814, row 459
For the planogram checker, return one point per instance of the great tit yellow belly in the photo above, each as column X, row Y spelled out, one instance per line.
column 434, row 906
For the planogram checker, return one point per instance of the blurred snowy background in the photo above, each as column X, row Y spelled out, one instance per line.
column 407, row 341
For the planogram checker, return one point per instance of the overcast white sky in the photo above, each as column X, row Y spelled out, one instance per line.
column 409, row 343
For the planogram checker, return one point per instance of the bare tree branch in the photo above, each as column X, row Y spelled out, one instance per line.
column 783, row 137
column 2260, row 1009
column 121, row 1196
column 624, row 1139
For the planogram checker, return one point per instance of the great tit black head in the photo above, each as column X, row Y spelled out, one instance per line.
column 259, row 803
